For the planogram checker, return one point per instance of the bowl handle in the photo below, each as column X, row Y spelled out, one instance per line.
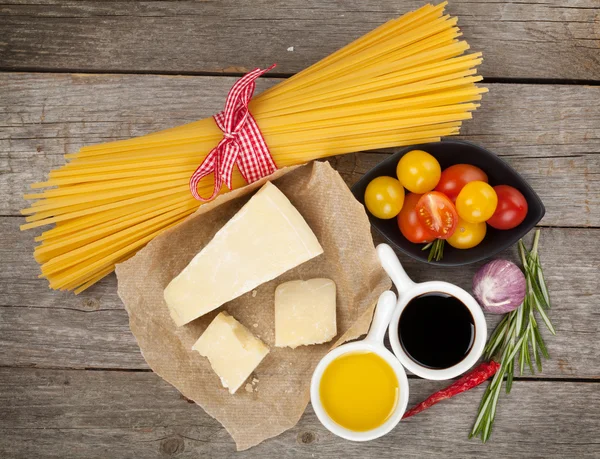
column 393, row 268
column 381, row 318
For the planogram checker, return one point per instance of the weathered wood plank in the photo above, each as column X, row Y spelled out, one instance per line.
column 44, row 328
column 84, row 414
column 530, row 39
column 549, row 133
column 58, row 338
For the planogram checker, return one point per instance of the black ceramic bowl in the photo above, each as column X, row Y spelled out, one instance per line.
column 449, row 152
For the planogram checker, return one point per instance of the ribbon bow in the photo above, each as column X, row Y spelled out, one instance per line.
column 242, row 141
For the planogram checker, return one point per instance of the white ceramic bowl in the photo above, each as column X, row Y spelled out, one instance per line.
column 372, row 343
column 407, row 290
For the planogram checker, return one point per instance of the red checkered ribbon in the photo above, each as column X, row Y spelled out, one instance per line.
column 242, row 142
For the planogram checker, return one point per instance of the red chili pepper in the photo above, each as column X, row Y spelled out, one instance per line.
column 479, row 375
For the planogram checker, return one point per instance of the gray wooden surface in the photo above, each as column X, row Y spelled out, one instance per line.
column 524, row 39
column 72, row 380
column 108, row 414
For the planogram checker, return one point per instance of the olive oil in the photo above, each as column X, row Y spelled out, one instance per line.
column 359, row 391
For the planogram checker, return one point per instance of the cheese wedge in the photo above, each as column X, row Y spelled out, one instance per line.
column 266, row 238
column 305, row 312
column 232, row 350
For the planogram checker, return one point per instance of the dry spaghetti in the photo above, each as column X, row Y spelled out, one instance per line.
column 408, row 81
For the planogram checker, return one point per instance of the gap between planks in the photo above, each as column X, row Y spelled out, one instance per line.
column 84, row 71
column 149, row 370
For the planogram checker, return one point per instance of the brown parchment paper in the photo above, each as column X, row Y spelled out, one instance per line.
column 280, row 393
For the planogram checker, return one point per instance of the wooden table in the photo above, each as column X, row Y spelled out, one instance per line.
column 72, row 380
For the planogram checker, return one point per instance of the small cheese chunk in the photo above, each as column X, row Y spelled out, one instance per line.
column 267, row 237
column 232, row 350
column 305, row 312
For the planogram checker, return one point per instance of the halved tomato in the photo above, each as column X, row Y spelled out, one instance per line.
column 409, row 223
column 438, row 214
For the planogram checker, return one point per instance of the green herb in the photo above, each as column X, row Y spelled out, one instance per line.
column 437, row 250
column 517, row 334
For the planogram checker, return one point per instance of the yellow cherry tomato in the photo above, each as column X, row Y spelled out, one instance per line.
column 476, row 202
column 418, row 171
column 467, row 235
column 384, row 197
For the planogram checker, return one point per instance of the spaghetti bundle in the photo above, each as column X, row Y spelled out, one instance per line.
column 406, row 82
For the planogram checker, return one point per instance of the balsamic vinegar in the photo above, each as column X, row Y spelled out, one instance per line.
column 436, row 330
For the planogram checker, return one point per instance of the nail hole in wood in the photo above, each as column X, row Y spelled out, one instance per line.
column 172, row 446
column 306, row 438
column 91, row 303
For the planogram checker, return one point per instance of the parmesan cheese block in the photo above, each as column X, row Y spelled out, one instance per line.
column 232, row 350
column 305, row 312
column 267, row 237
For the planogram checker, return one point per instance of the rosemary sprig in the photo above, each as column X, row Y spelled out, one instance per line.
column 517, row 334
column 437, row 250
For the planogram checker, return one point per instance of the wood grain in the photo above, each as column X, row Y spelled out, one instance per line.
column 528, row 39
column 84, row 414
column 549, row 133
column 73, row 383
column 43, row 328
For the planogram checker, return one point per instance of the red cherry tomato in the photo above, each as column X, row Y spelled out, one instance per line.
column 454, row 178
column 438, row 214
column 511, row 209
column 409, row 223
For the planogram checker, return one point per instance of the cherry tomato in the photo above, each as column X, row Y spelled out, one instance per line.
column 438, row 214
column 384, row 197
column 476, row 202
column 454, row 178
column 467, row 235
column 418, row 171
column 409, row 223
column 511, row 209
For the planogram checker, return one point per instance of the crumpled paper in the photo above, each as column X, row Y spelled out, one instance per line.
column 273, row 399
